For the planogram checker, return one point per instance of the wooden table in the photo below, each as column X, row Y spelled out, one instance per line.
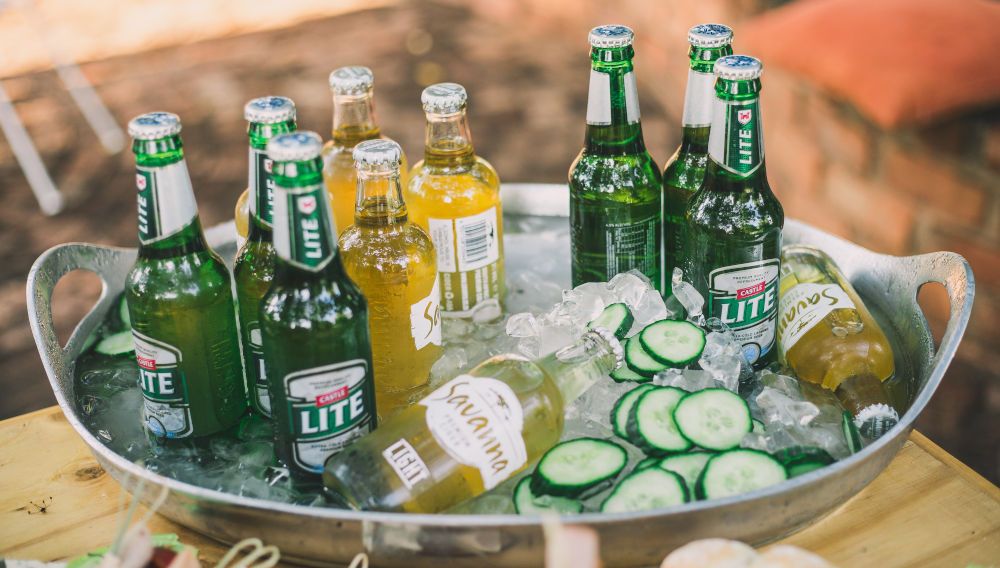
column 926, row 509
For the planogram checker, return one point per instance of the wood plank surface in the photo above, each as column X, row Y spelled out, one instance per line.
column 927, row 509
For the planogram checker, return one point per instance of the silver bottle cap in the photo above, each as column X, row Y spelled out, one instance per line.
column 269, row 110
column 377, row 153
column 351, row 80
column 613, row 343
column 154, row 125
column 444, row 97
column 738, row 68
column 295, row 146
column 875, row 420
column 611, row 36
column 710, row 35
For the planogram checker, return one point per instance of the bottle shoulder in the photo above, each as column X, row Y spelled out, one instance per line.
column 610, row 174
column 192, row 275
column 747, row 212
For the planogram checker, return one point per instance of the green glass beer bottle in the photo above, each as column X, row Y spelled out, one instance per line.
column 615, row 190
column 179, row 297
column 685, row 170
column 313, row 320
column 254, row 266
column 732, row 250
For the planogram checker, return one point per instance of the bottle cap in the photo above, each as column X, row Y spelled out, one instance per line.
column 875, row 420
column 377, row 153
column 351, row 80
column 154, row 125
column 295, row 146
column 710, row 35
column 613, row 343
column 269, row 110
column 738, row 68
column 444, row 97
column 611, row 36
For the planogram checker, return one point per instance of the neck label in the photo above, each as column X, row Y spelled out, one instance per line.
column 303, row 230
column 261, row 194
column 599, row 101
column 165, row 201
column 698, row 99
column 735, row 142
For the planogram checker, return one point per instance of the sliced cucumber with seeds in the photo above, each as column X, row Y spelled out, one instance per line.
column 639, row 360
column 673, row 343
column 738, row 471
column 527, row 503
column 570, row 468
column 715, row 419
column 688, row 465
column 651, row 424
column 117, row 344
column 650, row 488
column 622, row 409
column 624, row 374
column 616, row 318
column 648, row 462
column 803, row 459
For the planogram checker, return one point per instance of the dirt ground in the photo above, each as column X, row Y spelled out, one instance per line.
column 527, row 90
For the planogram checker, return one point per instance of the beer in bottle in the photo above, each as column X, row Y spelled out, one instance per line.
column 179, row 297
column 392, row 261
column 254, row 267
column 686, row 168
column 455, row 196
column 353, row 122
column 732, row 250
column 615, row 192
column 471, row 433
column 829, row 338
column 313, row 320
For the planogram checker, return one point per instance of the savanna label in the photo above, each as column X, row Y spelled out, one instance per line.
column 425, row 319
column 805, row 305
column 735, row 141
column 745, row 298
column 478, row 421
column 164, row 201
column 166, row 407
column 303, row 229
column 468, row 253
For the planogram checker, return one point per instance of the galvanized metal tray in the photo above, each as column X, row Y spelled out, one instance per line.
column 325, row 536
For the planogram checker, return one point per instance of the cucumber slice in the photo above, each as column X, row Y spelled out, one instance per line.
column 650, row 488
column 648, row 462
column 852, row 434
column 570, row 468
column 673, row 343
column 803, row 459
column 527, row 503
column 758, row 426
column 715, row 419
column 640, row 361
column 651, row 424
column 616, row 318
column 689, row 466
column 738, row 471
column 623, row 374
column 117, row 344
column 622, row 409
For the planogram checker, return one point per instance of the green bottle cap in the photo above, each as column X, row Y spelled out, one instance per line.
column 269, row 110
column 710, row 35
column 373, row 153
column 444, row 97
column 351, row 80
column 295, row 146
column 608, row 37
column 154, row 125
column 738, row 68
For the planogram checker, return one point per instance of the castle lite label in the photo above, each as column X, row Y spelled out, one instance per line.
column 741, row 151
column 263, row 198
column 165, row 201
column 165, row 398
column 307, row 242
column 745, row 298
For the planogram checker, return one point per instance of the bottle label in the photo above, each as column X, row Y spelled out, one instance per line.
column 406, row 462
column 805, row 305
column 478, row 421
column 468, row 253
column 165, row 201
column 165, row 398
column 258, row 373
column 745, row 298
column 599, row 98
column 735, row 141
column 632, row 245
column 698, row 99
column 328, row 410
column 425, row 319
column 261, row 194
column 303, row 229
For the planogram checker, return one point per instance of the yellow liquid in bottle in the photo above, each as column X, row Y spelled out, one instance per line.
column 340, row 176
column 242, row 214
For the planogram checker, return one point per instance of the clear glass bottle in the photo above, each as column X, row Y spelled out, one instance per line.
column 455, row 196
column 392, row 260
column 471, row 433
column 179, row 297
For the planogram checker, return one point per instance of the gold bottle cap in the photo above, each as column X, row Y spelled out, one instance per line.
column 351, row 80
column 380, row 152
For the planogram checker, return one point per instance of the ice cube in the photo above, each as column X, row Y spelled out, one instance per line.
column 650, row 308
column 523, row 325
column 629, row 287
column 721, row 357
column 691, row 380
column 778, row 407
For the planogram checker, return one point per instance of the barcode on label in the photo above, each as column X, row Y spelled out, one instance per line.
column 478, row 240
column 474, row 239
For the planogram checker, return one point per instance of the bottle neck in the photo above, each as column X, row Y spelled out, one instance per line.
column 260, row 179
column 613, row 124
column 304, row 235
column 735, row 144
column 700, row 92
column 379, row 199
column 448, row 142
column 167, row 212
column 354, row 118
column 576, row 368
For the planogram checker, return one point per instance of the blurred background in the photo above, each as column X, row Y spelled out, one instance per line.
column 881, row 120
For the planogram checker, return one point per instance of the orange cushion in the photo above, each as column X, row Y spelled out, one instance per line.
column 898, row 61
